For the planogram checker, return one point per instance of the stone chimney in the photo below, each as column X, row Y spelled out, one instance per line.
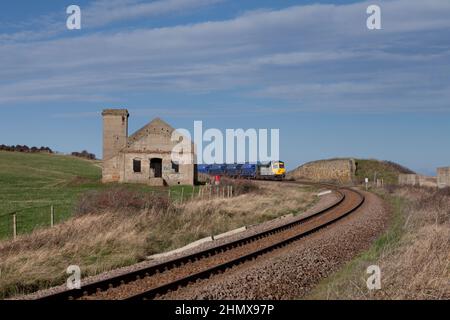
column 115, row 131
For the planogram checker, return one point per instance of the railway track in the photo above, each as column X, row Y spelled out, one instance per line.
column 153, row 281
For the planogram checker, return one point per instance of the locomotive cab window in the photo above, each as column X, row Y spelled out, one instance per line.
column 136, row 166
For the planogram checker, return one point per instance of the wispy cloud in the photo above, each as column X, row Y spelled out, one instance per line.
column 318, row 56
column 100, row 13
column 103, row 12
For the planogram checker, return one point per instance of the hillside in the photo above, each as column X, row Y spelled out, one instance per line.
column 349, row 170
column 30, row 183
column 387, row 170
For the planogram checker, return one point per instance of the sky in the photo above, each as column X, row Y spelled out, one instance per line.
column 312, row 69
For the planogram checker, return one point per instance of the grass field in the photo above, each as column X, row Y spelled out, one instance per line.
column 31, row 183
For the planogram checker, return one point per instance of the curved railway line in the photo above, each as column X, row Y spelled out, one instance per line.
column 157, row 280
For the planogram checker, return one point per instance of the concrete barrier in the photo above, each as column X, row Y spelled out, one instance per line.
column 229, row 233
column 179, row 250
column 324, row 193
column 207, row 239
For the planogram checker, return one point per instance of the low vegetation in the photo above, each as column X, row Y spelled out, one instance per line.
column 84, row 154
column 386, row 170
column 413, row 254
column 119, row 227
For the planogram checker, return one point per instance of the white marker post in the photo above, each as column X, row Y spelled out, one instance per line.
column 367, row 183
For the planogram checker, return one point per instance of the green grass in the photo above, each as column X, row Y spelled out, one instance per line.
column 368, row 168
column 31, row 183
column 355, row 270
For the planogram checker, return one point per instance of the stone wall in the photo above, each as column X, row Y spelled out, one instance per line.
column 417, row 180
column 408, row 179
column 334, row 170
column 443, row 177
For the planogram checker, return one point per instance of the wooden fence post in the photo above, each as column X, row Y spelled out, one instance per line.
column 52, row 216
column 14, row 226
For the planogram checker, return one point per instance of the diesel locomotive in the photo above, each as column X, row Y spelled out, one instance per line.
column 273, row 170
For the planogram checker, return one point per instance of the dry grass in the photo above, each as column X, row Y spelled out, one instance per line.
column 414, row 254
column 419, row 268
column 104, row 240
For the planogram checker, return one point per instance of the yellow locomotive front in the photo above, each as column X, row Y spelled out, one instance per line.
column 278, row 169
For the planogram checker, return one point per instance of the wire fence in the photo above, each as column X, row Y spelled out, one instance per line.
column 201, row 192
column 26, row 220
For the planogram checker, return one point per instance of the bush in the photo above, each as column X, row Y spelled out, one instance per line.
column 84, row 154
column 25, row 148
column 120, row 199
column 240, row 186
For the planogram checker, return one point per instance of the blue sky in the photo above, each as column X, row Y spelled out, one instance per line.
column 310, row 68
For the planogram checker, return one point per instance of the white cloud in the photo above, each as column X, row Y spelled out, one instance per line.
column 98, row 14
column 301, row 53
column 103, row 12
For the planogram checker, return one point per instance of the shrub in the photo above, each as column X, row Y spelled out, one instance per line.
column 25, row 148
column 84, row 154
column 120, row 199
column 241, row 186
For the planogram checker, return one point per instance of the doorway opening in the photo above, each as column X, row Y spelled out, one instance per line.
column 156, row 167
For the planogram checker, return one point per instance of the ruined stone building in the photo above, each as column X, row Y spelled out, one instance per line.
column 145, row 156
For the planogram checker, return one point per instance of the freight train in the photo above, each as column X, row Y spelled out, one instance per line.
column 273, row 170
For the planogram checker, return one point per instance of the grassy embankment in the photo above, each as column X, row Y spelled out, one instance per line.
column 31, row 183
column 413, row 254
